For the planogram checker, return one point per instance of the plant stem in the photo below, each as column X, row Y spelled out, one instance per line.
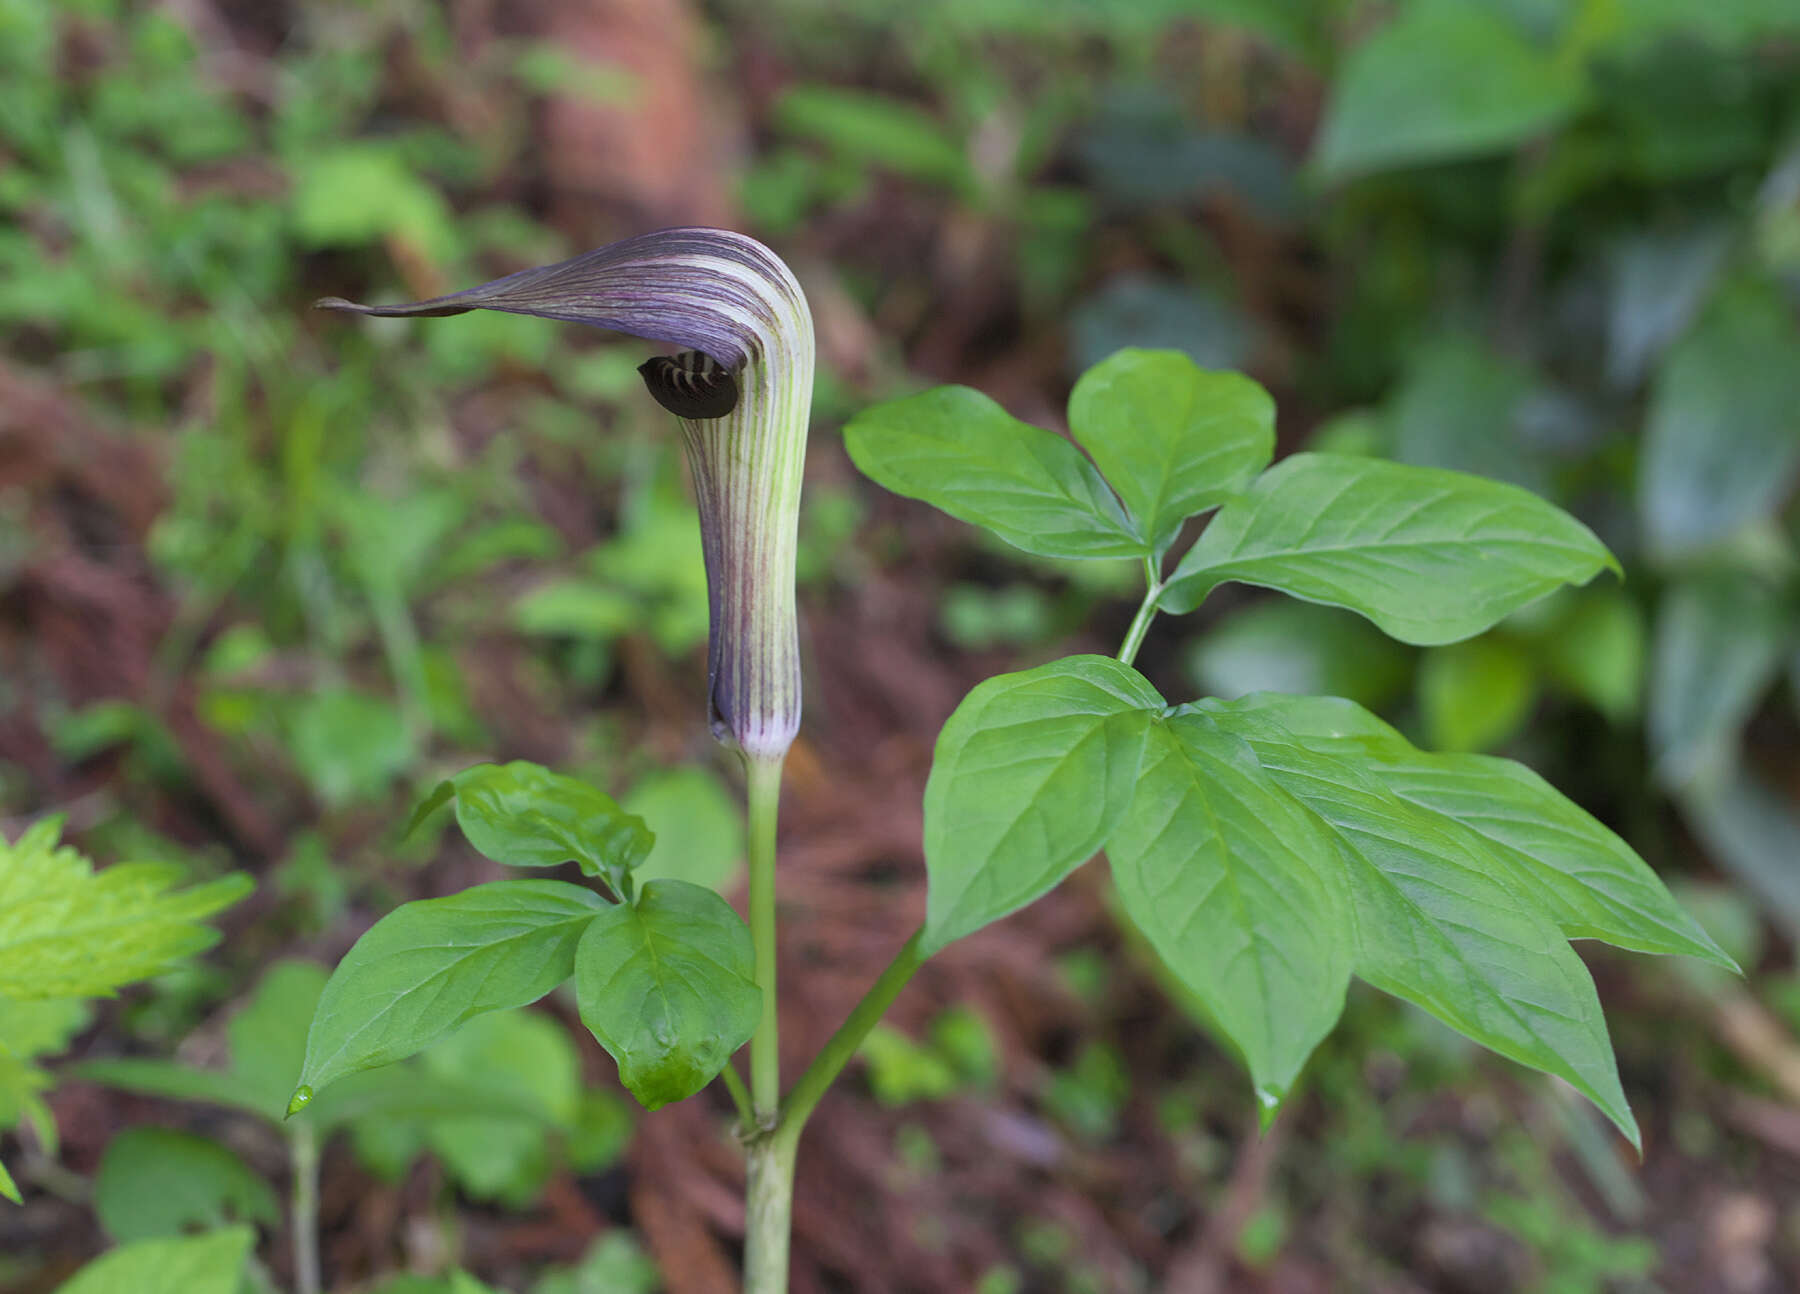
column 763, row 798
column 768, row 1213
column 304, row 1148
column 769, row 1181
column 1146, row 612
column 836, row 1053
column 769, row 1189
column 740, row 1096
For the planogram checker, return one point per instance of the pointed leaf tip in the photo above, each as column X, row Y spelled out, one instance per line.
column 301, row 1098
column 1268, row 1106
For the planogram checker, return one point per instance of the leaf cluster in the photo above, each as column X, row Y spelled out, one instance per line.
column 663, row 972
column 1271, row 847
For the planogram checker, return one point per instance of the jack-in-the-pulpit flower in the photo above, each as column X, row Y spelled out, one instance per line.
column 742, row 388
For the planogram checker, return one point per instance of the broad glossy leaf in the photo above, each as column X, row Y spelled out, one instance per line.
column 1722, row 441
column 1030, row 776
column 428, row 966
column 669, row 989
column 1239, row 889
column 957, row 450
column 524, row 815
column 206, row 1264
column 1430, row 556
column 1583, row 875
column 161, row 1181
column 1170, row 437
column 1442, row 922
column 1718, row 645
column 1444, row 80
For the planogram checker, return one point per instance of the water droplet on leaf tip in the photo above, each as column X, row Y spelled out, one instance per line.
column 1268, row 1105
column 302, row 1098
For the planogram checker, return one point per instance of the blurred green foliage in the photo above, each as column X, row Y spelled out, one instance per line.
column 1554, row 241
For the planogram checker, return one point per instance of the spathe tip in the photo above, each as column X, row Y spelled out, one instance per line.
column 408, row 310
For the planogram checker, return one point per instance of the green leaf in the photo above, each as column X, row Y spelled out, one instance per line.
column 409, row 1091
column 1170, row 437
column 524, row 815
column 1031, row 774
column 1582, row 874
column 1751, row 829
column 355, row 194
column 349, row 744
column 614, row 1264
column 1238, row 888
column 1718, row 646
column 876, row 130
column 669, row 989
column 177, row 1082
column 1138, row 309
column 40, row 1027
column 1474, row 695
column 1430, row 556
column 902, row 1071
column 1722, row 440
column 161, row 1181
column 1440, row 919
column 517, row 1060
column 441, row 794
column 1445, row 80
column 68, row 931
column 428, row 966
column 1460, row 408
column 8, row 1187
column 1596, row 650
column 699, row 827
column 267, row 1035
column 1658, row 279
column 208, row 1264
column 957, row 450
column 1280, row 645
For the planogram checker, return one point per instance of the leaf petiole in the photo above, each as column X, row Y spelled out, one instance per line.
column 1146, row 612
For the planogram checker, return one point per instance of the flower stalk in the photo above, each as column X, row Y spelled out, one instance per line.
column 741, row 387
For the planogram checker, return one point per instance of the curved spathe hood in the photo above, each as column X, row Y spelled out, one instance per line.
column 742, row 388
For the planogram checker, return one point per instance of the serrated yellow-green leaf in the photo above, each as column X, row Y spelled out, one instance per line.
column 69, row 931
